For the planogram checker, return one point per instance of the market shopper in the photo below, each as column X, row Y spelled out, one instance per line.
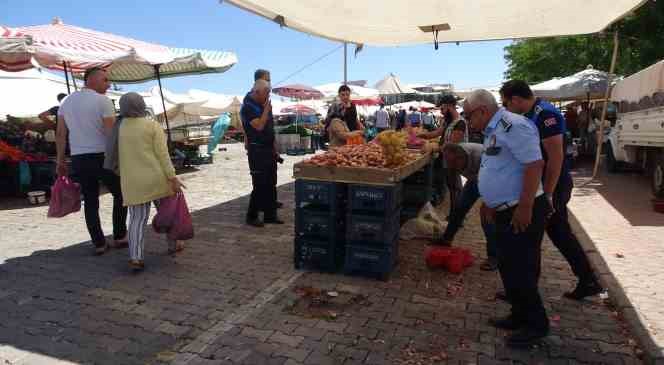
column 85, row 120
column 414, row 118
column 52, row 112
column 340, row 133
column 382, row 119
column 428, row 121
column 345, row 108
column 258, row 124
column 146, row 172
column 519, row 98
column 510, row 184
column 465, row 159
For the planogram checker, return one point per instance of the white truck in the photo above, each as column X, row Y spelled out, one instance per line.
column 637, row 140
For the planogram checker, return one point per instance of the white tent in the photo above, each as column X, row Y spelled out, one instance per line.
column 30, row 92
column 415, row 104
column 392, row 85
column 390, row 23
column 587, row 83
column 331, row 90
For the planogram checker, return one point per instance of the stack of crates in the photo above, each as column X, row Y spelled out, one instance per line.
column 417, row 191
column 320, row 208
column 372, row 229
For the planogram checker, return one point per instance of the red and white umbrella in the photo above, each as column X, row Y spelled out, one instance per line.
column 298, row 91
column 298, row 109
column 15, row 51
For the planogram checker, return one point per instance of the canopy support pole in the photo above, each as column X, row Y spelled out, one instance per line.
column 607, row 94
column 73, row 80
column 163, row 104
column 64, row 64
column 345, row 63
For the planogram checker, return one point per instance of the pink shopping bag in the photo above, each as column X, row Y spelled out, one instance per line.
column 183, row 227
column 166, row 212
column 65, row 198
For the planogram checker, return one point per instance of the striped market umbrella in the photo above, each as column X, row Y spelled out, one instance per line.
column 297, row 91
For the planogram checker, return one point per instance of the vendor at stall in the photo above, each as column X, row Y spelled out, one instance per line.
column 345, row 109
column 339, row 132
column 51, row 115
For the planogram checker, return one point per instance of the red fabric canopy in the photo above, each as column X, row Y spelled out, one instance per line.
column 298, row 91
column 298, row 109
column 368, row 101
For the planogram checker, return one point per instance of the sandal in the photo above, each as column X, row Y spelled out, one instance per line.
column 179, row 247
column 136, row 265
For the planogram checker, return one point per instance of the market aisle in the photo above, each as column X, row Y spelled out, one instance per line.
column 230, row 297
column 625, row 235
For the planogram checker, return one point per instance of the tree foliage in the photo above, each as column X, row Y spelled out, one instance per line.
column 641, row 35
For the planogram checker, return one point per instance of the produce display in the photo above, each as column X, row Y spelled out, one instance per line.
column 414, row 141
column 394, row 147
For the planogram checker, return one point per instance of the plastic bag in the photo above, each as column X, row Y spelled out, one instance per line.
column 427, row 224
column 218, row 130
column 183, row 227
column 166, row 213
column 24, row 175
column 65, row 198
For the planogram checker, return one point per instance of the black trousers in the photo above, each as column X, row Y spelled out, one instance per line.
column 519, row 262
column 560, row 232
column 263, row 166
column 89, row 170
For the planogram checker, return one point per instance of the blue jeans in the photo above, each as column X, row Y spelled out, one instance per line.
column 465, row 201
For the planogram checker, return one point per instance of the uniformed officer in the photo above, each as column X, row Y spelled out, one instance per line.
column 518, row 98
column 258, row 124
column 512, row 197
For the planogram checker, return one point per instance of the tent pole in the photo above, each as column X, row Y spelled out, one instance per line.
column 73, row 80
column 64, row 64
column 163, row 104
column 607, row 94
column 345, row 63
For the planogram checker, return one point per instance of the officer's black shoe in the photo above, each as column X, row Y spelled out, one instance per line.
column 255, row 222
column 506, row 323
column 526, row 338
column 273, row 221
column 584, row 289
column 280, row 205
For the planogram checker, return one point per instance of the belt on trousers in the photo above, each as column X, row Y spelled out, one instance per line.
column 513, row 203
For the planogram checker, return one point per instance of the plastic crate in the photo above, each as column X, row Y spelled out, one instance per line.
column 320, row 194
column 319, row 224
column 371, row 261
column 417, row 195
column 422, row 177
column 318, row 255
column 372, row 198
column 372, row 230
column 408, row 213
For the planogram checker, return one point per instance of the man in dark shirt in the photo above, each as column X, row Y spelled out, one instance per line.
column 258, row 124
column 345, row 108
column 52, row 112
column 557, row 181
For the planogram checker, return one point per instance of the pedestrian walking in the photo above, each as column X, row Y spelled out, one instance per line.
column 85, row 120
column 258, row 123
column 146, row 172
column 519, row 98
column 510, row 185
column 382, row 119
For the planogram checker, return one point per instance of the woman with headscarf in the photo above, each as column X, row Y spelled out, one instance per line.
column 146, row 172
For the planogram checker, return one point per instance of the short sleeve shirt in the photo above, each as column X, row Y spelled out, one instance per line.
column 549, row 122
column 84, row 112
column 473, row 159
column 511, row 142
column 252, row 110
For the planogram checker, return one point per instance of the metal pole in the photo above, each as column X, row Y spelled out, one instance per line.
column 163, row 104
column 600, row 137
column 345, row 63
column 64, row 64
column 73, row 80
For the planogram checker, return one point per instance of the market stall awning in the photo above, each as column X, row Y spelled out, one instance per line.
column 298, row 109
column 298, row 91
column 331, row 90
column 589, row 83
column 644, row 83
column 392, row 85
column 14, row 50
column 397, row 22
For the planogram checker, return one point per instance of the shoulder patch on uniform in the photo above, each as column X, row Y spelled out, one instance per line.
column 550, row 122
column 505, row 124
column 537, row 109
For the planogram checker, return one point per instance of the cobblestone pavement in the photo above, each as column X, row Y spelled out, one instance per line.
column 225, row 299
column 625, row 236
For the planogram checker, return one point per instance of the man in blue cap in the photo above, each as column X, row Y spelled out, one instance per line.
column 519, row 98
column 510, row 185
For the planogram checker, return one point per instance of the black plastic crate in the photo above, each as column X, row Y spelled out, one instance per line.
column 318, row 255
column 422, row 177
column 371, row 261
column 371, row 229
column 417, row 195
column 320, row 194
column 372, row 198
column 319, row 224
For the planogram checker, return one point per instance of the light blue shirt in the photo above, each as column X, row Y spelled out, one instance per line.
column 511, row 141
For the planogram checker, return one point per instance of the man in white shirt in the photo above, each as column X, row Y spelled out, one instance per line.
column 427, row 121
column 382, row 119
column 87, row 118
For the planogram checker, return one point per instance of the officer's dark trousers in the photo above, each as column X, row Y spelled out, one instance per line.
column 559, row 231
column 519, row 260
column 263, row 166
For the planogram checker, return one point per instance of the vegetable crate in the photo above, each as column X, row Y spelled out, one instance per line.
column 378, row 230
column 373, row 199
column 318, row 255
column 331, row 196
column 422, row 177
column 319, row 224
column 371, row 260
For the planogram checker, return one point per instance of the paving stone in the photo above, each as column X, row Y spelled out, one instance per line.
column 258, row 334
column 292, row 341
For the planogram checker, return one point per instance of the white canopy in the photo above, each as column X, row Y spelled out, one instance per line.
column 415, row 104
column 357, row 92
column 397, row 22
column 392, row 85
column 574, row 87
column 641, row 84
column 30, row 92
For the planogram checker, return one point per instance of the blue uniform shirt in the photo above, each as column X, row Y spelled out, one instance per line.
column 549, row 122
column 511, row 141
column 251, row 110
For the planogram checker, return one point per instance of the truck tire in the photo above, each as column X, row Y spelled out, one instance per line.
column 612, row 165
column 658, row 177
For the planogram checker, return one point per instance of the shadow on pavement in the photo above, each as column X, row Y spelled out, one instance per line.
column 69, row 305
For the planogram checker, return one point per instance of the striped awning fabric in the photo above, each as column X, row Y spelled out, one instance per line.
column 127, row 60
